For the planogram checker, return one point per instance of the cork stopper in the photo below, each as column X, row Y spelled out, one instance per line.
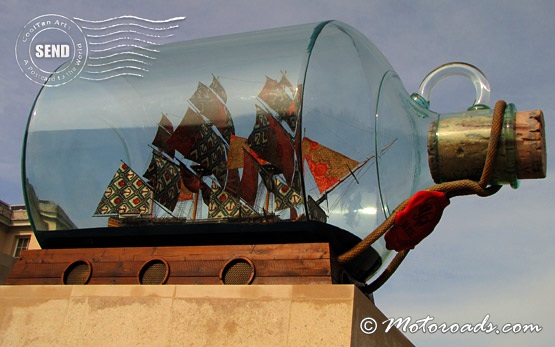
column 530, row 145
column 457, row 148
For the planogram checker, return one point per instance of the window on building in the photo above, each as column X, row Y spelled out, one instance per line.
column 22, row 243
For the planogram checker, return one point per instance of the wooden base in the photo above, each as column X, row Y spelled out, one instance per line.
column 307, row 263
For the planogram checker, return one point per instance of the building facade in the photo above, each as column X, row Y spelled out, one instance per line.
column 16, row 235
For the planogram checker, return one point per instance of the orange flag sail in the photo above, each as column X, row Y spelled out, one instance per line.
column 326, row 165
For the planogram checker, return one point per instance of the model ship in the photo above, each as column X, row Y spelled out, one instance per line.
column 203, row 162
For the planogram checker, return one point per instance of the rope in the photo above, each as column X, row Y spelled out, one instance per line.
column 451, row 189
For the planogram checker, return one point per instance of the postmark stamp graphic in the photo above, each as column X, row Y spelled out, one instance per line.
column 51, row 50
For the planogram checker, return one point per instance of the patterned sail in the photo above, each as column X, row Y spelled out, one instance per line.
column 209, row 152
column 196, row 141
column 208, row 104
column 275, row 95
column 285, row 197
column 165, row 129
column 126, row 194
column 222, row 204
column 237, row 166
column 272, row 143
column 163, row 175
column 326, row 165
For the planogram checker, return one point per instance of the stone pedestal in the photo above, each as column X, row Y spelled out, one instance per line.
column 189, row 315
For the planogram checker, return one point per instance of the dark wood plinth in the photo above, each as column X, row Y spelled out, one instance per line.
column 308, row 263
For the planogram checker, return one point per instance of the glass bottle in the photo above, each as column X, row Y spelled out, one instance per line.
column 305, row 129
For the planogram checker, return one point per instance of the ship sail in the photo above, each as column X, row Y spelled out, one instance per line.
column 217, row 87
column 222, row 204
column 208, row 103
column 203, row 137
column 272, row 143
column 326, row 165
column 192, row 186
column 249, row 181
column 235, row 153
column 197, row 141
column 277, row 96
column 184, row 193
column 126, row 194
column 273, row 146
column 329, row 170
column 236, row 177
column 163, row 133
column 163, row 175
column 264, row 139
column 315, row 211
column 187, row 133
column 285, row 197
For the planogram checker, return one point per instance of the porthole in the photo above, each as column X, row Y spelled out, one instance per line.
column 155, row 271
column 237, row 271
column 78, row 272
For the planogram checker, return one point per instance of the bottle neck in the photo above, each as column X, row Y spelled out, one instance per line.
column 458, row 144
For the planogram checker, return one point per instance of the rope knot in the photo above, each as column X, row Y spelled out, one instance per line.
column 406, row 228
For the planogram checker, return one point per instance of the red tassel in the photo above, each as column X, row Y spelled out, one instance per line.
column 416, row 221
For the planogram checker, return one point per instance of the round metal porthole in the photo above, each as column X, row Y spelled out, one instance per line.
column 155, row 271
column 237, row 271
column 78, row 272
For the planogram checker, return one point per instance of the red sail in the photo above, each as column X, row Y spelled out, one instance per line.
column 284, row 83
column 184, row 193
column 249, row 181
column 272, row 143
column 275, row 96
column 233, row 183
column 198, row 142
column 208, row 104
column 218, row 89
column 327, row 166
column 191, row 181
column 165, row 129
column 187, row 133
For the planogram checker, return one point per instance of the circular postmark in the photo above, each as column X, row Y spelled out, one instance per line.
column 51, row 50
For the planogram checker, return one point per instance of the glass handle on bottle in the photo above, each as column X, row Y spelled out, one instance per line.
column 481, row 84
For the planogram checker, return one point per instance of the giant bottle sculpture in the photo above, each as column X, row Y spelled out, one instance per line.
column 280, row 135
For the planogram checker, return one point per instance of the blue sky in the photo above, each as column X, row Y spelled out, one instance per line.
column 487, row 255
